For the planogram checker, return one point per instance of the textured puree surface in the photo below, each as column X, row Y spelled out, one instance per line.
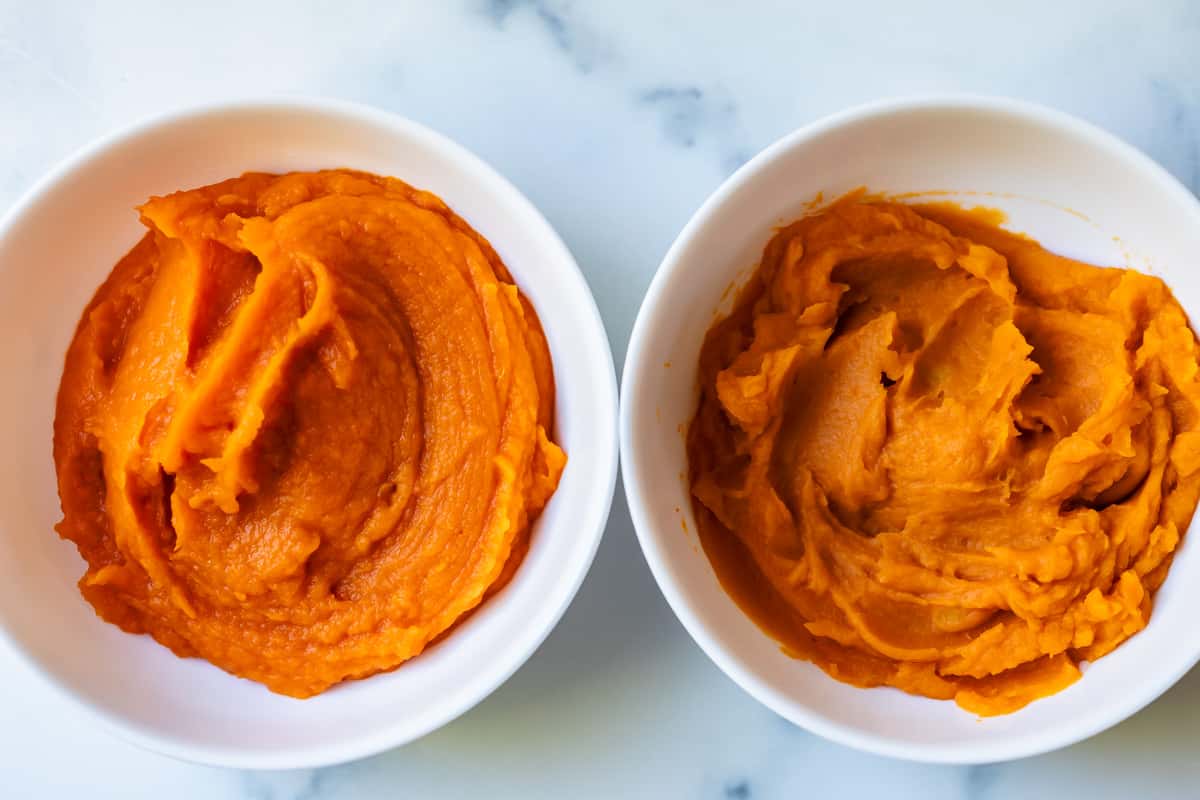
column 303, row 427
column 931, row 454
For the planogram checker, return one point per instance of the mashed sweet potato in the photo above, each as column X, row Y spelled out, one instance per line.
column 932, row 455
column 303, row 427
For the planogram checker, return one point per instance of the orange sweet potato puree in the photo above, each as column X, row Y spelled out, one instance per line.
column 932, row 455
column 303, row 427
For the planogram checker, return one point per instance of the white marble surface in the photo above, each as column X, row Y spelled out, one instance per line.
column 617, row 119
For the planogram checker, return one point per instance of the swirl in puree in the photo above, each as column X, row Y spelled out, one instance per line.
column 931, row 454
column 303, row 427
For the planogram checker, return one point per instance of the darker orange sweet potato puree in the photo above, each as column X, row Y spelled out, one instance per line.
column 303, row 427
column 930, row 454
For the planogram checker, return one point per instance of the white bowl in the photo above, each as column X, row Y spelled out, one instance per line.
column 1068, row 184
column 59, row 243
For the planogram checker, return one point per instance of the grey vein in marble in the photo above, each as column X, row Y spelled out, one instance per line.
column 738, row 790
column 979, row 779
column 577, row 42
column 295, row 785
column 690, row 114
column 1182, row 133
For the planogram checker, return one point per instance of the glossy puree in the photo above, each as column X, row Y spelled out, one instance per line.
column 304, row 427
column 931, row 454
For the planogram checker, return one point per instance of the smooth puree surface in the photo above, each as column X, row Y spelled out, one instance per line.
column 933, row 455
column 304, row 427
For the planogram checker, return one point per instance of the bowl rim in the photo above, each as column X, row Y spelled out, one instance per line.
column 603, row 465
column 636, row 365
